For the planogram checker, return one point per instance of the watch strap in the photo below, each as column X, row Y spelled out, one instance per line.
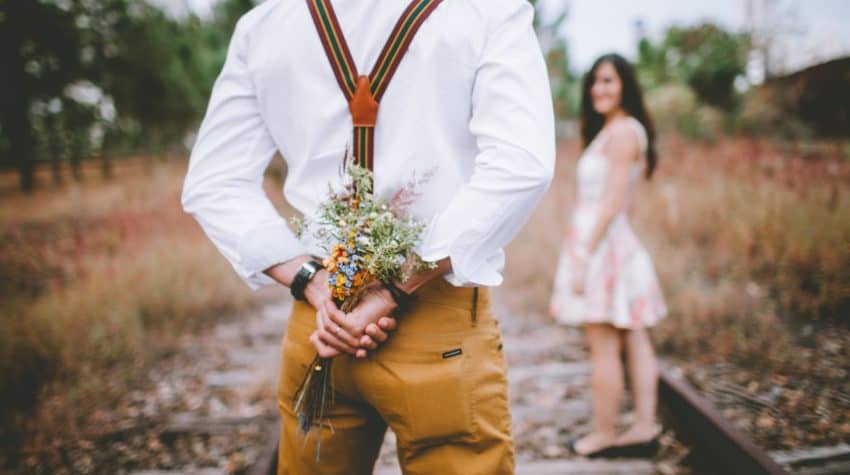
column 305, row 274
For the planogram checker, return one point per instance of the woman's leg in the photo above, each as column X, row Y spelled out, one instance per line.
column 643, row 374
column 606, row 382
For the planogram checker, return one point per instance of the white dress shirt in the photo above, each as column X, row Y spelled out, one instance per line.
column 470, row 101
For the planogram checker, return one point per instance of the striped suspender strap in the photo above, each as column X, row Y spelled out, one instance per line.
column 364, row 92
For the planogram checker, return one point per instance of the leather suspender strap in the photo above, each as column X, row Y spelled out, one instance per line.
column 334, row 44
column 364, row 92
column 406, row 27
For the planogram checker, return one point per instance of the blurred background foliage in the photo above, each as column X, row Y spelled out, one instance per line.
column 102, row 78
column 99, row 78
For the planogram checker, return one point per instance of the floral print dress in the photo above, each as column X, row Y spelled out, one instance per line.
column 622, row 286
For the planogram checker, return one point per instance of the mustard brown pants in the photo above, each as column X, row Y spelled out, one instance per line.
column 439, row 381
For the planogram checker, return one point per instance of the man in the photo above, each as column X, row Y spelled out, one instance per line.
column 469, row 102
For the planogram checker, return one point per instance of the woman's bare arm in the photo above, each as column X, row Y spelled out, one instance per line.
column 621, row 149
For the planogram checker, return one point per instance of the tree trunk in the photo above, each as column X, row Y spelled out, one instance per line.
column 54, row 147
column 15, row 106
column 105, row 158
column 76, row 156
column 21, row 149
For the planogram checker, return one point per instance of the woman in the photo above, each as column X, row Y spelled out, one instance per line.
column 605, row 279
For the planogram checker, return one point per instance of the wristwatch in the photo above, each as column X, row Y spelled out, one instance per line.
column 305, row 274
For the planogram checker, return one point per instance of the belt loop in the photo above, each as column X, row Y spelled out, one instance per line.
column 475, row 306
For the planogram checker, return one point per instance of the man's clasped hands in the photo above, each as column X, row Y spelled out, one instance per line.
column 356, row 332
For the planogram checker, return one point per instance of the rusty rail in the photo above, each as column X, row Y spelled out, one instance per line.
column 716, row 446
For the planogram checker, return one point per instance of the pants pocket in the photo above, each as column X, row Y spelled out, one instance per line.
column 437, row 405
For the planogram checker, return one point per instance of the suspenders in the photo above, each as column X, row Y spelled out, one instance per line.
column 364, row 92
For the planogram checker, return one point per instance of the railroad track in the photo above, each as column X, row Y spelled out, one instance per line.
column 550, row 401
column 714, row 445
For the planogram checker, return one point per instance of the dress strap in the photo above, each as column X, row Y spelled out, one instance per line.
column 364, row 92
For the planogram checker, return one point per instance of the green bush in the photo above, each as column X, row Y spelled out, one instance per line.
column 675, row 107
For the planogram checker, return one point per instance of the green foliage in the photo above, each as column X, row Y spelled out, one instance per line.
column 564, row 84
column 689, row 76
column 153, row 75
column 710, row 60
column 562, row 81
column 676, row 107
column 154, row 71
column 651, row 64
column 705, row 57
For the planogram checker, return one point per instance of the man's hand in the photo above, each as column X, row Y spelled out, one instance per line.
column 332, row 338
column 370, row 321
column 366, row 326
column 329, row 339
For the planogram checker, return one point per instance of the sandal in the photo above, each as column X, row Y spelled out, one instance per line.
column 612, row 451
column 647, row 449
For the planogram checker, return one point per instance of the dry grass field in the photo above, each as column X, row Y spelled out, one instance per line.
column 748, row 240
column 97, row 281
column 751, row 241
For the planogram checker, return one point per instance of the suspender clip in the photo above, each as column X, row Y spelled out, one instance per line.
column 363, row 106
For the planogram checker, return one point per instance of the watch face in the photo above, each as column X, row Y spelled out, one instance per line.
column 310, row 268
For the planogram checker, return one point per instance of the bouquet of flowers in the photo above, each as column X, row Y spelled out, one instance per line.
column 369, row 241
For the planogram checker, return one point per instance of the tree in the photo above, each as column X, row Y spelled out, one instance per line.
column 708, row 59
column 651, row 64
column 561, row 78
column 153, row 71
column 38, row 51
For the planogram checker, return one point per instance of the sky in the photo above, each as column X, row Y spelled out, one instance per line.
column 809, row 31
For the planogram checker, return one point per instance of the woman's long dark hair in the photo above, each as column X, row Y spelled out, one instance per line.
column 632, row 103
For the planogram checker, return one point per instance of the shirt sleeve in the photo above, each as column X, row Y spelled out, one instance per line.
column 512, row 120
column 223, row 188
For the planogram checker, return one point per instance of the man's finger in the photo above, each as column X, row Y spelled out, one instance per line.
column 322, row 349
column 348, row 323
column 333, row 328
column 376, row 333
column 387, row 323
column 361, row 353
column 367, row 342
column 332, row 309
column 339, row 332
column 331, row 340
